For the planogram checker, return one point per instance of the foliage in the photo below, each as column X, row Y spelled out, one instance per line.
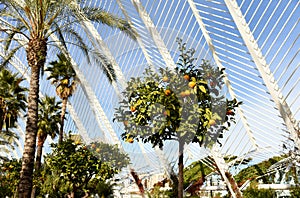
column 257, row 170
column 258, row 193
column 29, row 25
column 9, row 177
column 63, row 76
column 73, row 168
column 12, row 101
column 195, row 171
column 295, row 192
column 184, row 103
column 110, row 154
column 49, row 117
column 104, row 189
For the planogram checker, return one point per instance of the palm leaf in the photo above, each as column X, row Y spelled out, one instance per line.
column 60, row 35
column 11, row 35
column 14, row 11
column 9, row 56
column 101, row 16
column 74, row 36
column 105, row 65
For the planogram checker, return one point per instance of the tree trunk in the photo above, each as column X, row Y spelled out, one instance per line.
column 234, row 185
column 138, row 182
column 62, row 119
column 39, row 152
column 38, row 159
column 180, row 168
column 36, row 56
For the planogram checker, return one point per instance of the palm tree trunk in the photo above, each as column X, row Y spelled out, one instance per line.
column 38, row 159
column 36, row 56
column 39, row 152
column 180, row 168
column 62, row 119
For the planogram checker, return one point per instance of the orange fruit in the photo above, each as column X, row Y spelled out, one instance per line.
column 229, row 112
column 182, row 94
column 192, row 84
column 132, row 108
column 167, row 92
column 130, row 140
column 186, row 77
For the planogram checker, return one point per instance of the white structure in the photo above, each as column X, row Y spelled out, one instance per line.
column 257, row 41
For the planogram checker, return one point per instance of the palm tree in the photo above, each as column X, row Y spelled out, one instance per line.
column 65, row 80
column 29, row 24
column 12, row 101
column 49, row 117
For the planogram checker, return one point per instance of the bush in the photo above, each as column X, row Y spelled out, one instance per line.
column 258, row 193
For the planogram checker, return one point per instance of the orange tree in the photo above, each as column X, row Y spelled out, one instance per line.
column 76, row 170
column 186, row 104
column 9, row 177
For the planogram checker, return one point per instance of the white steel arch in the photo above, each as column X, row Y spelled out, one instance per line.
column 256, row 41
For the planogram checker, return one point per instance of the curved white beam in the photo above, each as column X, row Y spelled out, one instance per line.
column 154, row 34
column 219, row 64
column 264, row 69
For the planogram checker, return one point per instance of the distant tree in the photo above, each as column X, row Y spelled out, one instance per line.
column 257, row 170
column 64, row 78
column 48, row 125
column 254, row 192
column 12, row 102
column 184, row 105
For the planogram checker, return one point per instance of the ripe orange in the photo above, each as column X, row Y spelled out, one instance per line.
column 182, row 94
column 130, row 140
column 212, row 84
column 192, row 84
column 132, row 108
column 167, row 92
column 186, row 77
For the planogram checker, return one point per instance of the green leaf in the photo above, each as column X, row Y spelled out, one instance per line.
column 202, row 88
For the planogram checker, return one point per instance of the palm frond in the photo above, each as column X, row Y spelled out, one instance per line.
column 105, row 65
column 78, row 41
column 101, row 16
column 11, row 35
column 60, row 35
column 9, row 135
column 9, row 56
column 14, row 10
column 2, row 158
